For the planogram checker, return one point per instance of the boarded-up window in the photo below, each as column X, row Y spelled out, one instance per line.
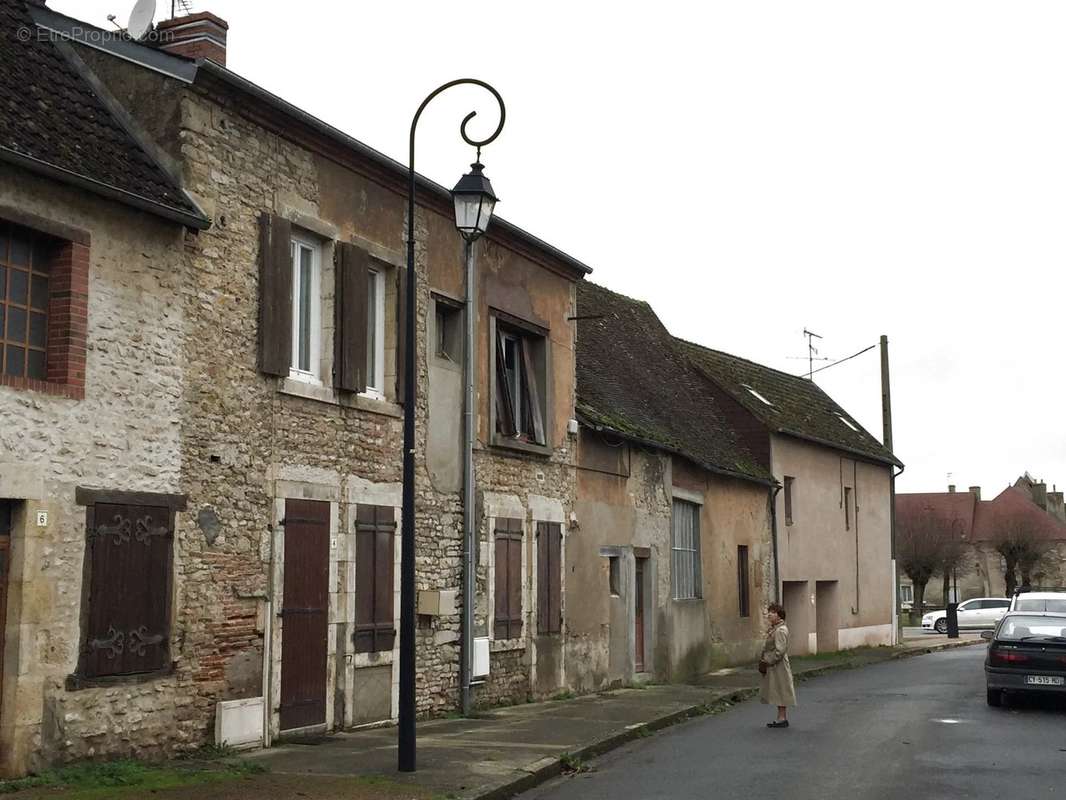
column 549, row 577
column 743, row 583
column 508, row 584
column 129, row 570
column 686, row 551
column 375, row 540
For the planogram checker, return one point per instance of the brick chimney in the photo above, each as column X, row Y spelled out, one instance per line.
column 951, row 488
column 976, row 491
column 200, row 35
column 1039, row 491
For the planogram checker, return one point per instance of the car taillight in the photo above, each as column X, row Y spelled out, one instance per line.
column 1008, row 657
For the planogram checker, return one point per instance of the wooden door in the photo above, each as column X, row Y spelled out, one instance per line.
column 638, row 596
column 305, row 614
column 6, row 512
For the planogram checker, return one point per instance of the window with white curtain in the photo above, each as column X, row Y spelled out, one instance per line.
column 685, row 545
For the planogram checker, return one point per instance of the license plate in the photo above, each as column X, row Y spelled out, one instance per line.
column 1044, row 680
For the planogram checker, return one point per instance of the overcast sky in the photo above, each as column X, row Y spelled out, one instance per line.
column 751, row 169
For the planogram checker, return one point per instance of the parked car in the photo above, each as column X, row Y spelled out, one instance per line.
column 978, row 612
column 1053, row 601
column 1026, row 653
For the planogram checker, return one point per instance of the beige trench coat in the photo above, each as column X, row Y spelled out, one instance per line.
column 777, row 687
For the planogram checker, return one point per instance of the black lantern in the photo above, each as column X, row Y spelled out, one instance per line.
column 474, row 201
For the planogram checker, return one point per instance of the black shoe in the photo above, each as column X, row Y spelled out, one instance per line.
column 782, row 723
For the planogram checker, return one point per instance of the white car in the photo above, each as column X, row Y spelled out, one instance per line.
column 978, row 612
column 1053, row 602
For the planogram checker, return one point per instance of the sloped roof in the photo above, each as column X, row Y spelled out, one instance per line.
column 797, row 406
column 1013, row 503
column 958, row 508
column 978, row 520
column 53, row 122
column 633, row 381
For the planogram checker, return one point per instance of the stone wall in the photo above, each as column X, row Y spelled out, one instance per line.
column 124, row 435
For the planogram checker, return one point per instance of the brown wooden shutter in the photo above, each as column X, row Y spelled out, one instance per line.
column 401, row 332
column 549, row 577
column 374, row 554
column 275, row 294
column 507, row 616
column 128, row 619
column 350, row 317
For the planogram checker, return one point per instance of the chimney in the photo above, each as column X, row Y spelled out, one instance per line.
column 976, row 491
column 951, row 488
column 200, row 35
column 1040, row 494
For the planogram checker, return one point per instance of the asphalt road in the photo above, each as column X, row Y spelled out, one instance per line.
column 916, row 728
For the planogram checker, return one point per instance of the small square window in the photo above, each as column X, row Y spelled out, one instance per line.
column 449, row 331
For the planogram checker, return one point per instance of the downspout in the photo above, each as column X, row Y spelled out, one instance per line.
column 855, row 500
column 773, row 538
column 469, row 422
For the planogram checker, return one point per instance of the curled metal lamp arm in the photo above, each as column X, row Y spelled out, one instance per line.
column 406, row 727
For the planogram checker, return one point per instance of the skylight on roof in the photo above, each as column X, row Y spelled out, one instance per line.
column 848, row 422
column 756, row 394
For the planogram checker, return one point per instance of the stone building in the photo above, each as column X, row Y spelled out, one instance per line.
column 93, row 379
column 978, row 523
column 243, row 383
column 832, row 516
column 672, row 546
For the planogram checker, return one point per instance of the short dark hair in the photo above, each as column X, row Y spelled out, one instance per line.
column 778, row 609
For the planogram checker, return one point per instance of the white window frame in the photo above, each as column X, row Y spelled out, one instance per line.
column 906, row 593
column 313, row 375
column 375, row 343
column 685, row 556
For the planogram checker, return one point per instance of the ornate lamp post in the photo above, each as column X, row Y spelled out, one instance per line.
column 474, row 201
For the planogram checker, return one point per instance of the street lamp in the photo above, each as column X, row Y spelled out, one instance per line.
column 407, row 531
column 474, row 201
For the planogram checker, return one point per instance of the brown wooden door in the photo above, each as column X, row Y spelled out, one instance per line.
column 638, row 596
column 6, row 512
column 305, row 614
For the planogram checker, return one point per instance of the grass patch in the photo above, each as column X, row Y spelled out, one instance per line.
column 573, row 764
column 98, row 780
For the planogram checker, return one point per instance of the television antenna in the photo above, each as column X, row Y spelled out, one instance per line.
column 141, row 19
column 812, row 351
column 184, row 6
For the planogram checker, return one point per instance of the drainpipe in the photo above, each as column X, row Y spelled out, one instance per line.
column 469, row 433
column 773, row 537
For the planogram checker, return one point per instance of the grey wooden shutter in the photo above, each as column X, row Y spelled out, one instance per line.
column 350, row 317
column 275, row 294
column 128, row 620
column 401, row 333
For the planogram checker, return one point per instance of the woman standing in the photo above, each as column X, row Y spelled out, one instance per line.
column 777, row 686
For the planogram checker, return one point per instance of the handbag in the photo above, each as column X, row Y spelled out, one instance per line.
column 762, row 667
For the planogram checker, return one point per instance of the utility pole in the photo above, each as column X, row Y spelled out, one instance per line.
column 886, row 421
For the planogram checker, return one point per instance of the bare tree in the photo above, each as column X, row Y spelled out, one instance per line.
column 952, row 557
column 1022, row 539
column 922, row 541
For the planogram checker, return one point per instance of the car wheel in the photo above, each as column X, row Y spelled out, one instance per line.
column 941, row 625
column 994, row 697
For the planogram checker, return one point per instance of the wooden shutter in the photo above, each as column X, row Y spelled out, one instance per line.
column 549, row 577
column 508, row 583
column 128, row 620
column 275, row 294
column 375, row 532
column 350, row 317
column 401, row 333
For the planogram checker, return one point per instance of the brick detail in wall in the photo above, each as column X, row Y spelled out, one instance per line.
column 68, row 325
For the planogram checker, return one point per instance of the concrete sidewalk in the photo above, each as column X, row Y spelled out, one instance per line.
column 506, row 751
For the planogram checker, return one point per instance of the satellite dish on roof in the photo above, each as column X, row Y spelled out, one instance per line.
column 141, row 19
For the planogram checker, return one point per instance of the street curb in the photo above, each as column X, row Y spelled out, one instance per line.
column 550, row 767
